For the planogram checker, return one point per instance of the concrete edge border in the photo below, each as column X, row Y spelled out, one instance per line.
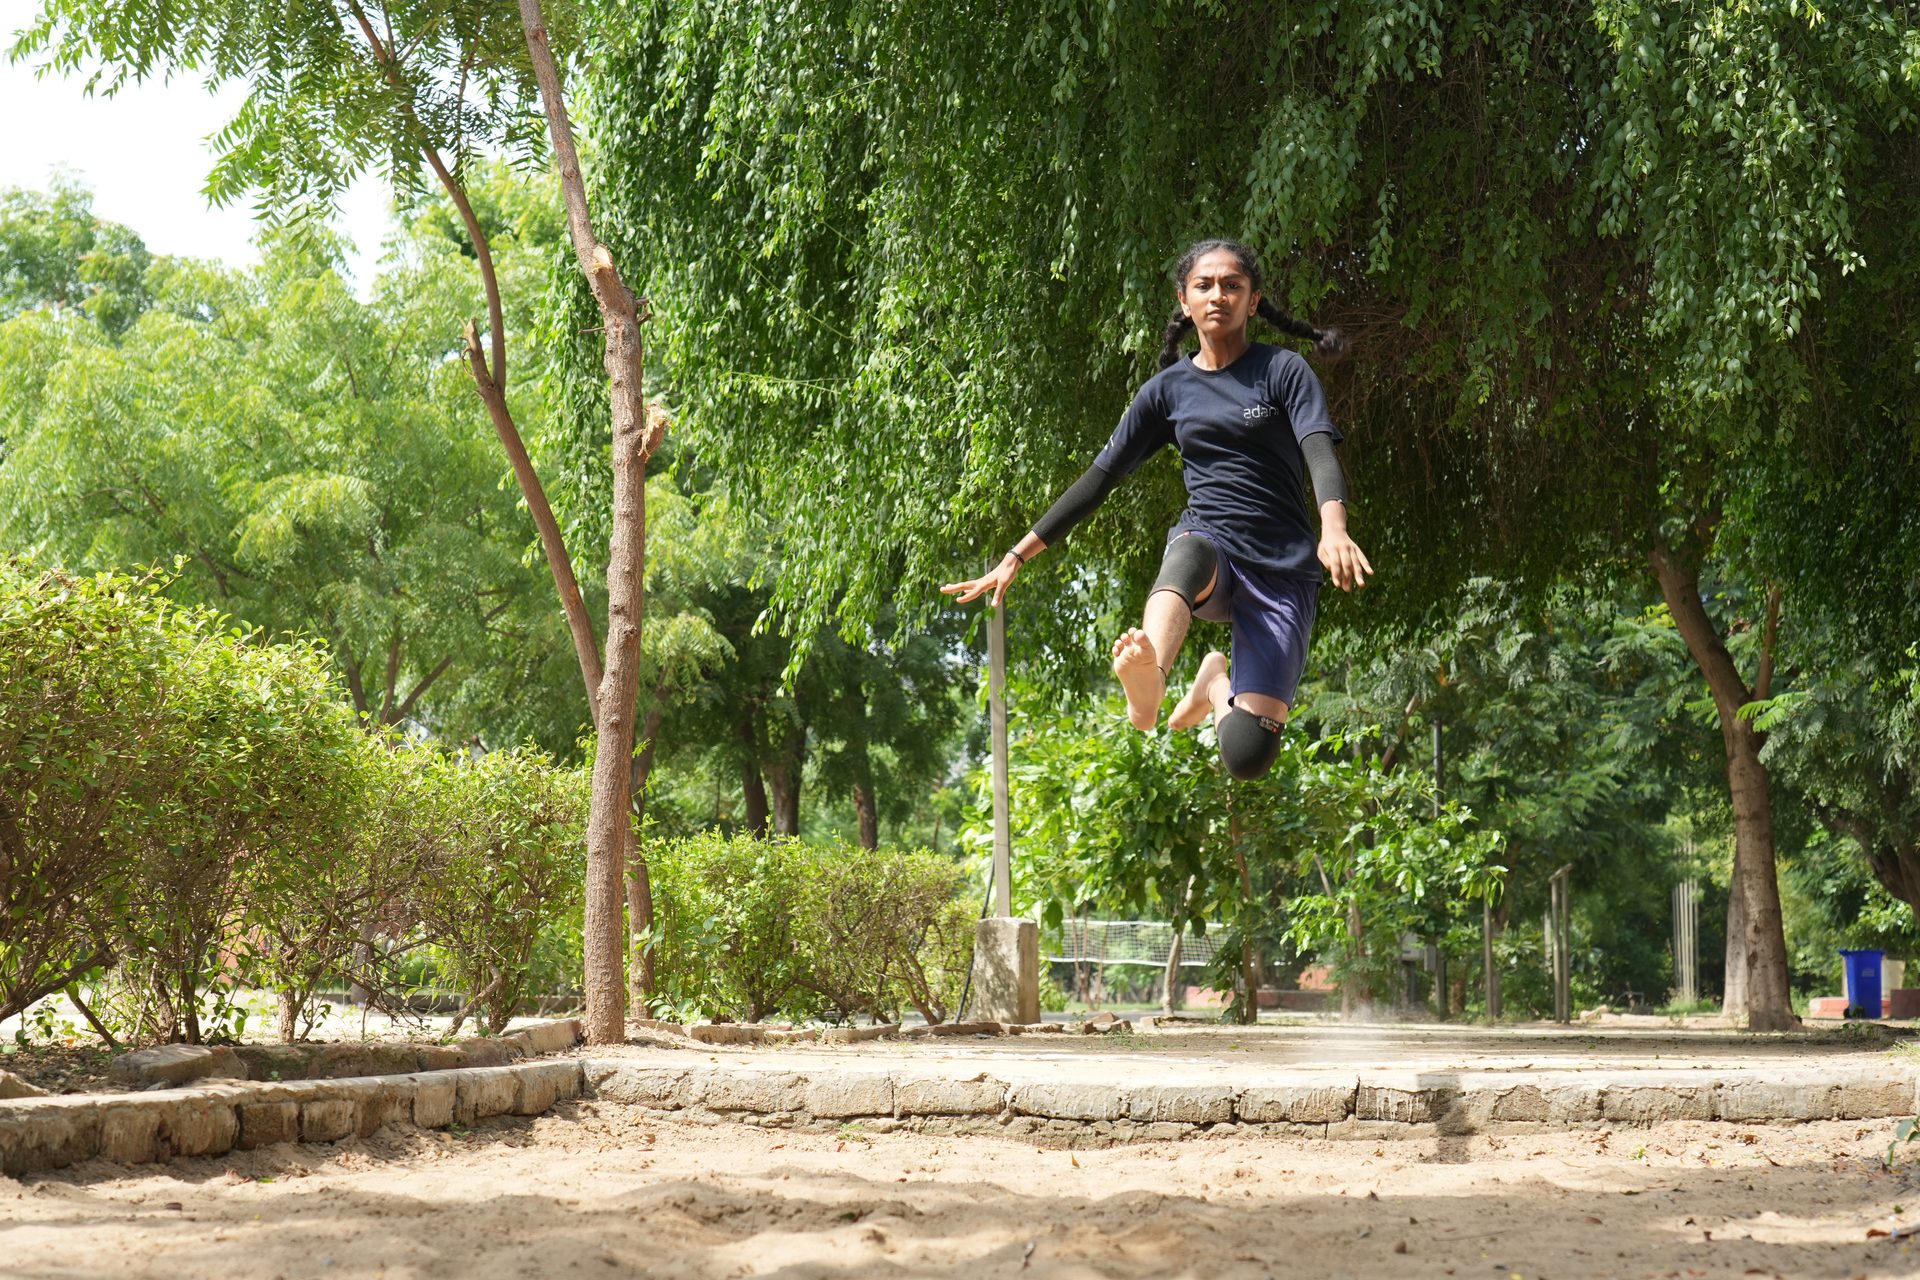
column 214, row 1118
column 1384, row 1105
column 210, row 1119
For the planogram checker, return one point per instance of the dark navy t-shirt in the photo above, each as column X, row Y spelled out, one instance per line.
column 1238, row 430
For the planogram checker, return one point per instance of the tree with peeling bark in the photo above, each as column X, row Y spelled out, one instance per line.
column 336, row 90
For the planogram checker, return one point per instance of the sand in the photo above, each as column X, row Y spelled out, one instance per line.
column 597, row 1189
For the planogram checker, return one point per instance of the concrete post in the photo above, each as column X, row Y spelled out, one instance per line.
column 997, row 716
column 1006, row 971
column 1006, row 950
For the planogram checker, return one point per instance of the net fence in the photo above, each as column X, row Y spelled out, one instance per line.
column 1117, row 942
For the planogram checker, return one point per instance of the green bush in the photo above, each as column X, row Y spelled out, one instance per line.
column 748, row 928
column 83, row 675
column 255, row 794
column 504, row 860
column 343, row 915
column 162, row 781
column 889, row 929
column 729, row 924
column 186, row 812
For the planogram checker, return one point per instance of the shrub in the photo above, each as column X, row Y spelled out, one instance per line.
column 254, row 794
column 320, row 917
column 189, row 812
column 889, row 929
column 747, row 928
column 83, row 675
column 160, row 773
column 507, row 829
column 728, row 923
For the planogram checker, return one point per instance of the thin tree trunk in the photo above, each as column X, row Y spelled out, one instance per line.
column 1354, row 999
column 1171, row 981
column 868, row 814
column 490, row 379
column 1756, row 982
column 586, row 646
column 1250, row 976
column 866, row 810
column 609, row 818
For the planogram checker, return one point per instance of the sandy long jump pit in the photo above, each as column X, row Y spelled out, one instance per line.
column 732, row 1166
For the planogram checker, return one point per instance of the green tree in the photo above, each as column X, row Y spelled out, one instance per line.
column 1570, row 723
column 315, row 458
column 1336, row 854
column 394, row 86
column 55, row 253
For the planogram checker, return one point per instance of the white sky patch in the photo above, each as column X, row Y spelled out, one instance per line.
column 144, row 152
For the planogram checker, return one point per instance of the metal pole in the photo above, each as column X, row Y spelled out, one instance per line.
column 1439, row 948
column 1550, row 936
column 997, row 705
column 1559, row 920
column 1486, row 960
column 1436, row 768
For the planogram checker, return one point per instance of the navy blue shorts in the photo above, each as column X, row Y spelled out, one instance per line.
column 1272, row 620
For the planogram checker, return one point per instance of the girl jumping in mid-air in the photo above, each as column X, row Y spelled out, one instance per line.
column 1248, row 419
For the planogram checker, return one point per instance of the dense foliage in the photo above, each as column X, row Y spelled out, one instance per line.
column 1337, row 854
column 188, row 812
column 318, row 462
column 751, row 928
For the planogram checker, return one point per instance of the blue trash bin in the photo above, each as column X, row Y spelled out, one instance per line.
column 1863, row 982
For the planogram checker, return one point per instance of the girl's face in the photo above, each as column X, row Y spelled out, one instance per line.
column 1218, row 295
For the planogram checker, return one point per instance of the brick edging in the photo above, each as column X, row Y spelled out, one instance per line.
column 1386, row 1104
column 212, row 1119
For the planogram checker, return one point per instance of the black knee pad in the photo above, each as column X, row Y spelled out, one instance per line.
column 1248, row 743
column 1187, row 568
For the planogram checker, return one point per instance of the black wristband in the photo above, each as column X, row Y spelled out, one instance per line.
column 1016, row 555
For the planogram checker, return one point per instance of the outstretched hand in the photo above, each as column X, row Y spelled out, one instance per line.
column 1344, row 560
column 996, row 579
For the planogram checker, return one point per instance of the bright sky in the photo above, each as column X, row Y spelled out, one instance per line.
column 144, row 153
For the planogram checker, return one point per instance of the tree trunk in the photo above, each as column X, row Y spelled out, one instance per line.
column 869, row 816
column 490, row 379
column 753, row 788
column 1887, row 838
column 1251, row 979
column 1733, row 987
column 783, row 779
column 1174, row 988
column 1756, row 981
column 609, row 818
column 1355, row 997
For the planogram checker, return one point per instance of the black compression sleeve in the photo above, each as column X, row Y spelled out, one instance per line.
column 1328, row 482
column 1082, row 498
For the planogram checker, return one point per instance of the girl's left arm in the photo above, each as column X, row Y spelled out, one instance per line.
column 1342, row 557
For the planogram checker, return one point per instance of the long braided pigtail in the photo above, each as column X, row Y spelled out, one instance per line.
column 1330, row 343
column 1173, row 337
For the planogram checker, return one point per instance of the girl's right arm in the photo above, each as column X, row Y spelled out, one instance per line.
column 1144, row 430
column 1082, row 498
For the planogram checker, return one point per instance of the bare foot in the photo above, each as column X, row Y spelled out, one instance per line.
column 1138, row 669
column 1198, row 704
